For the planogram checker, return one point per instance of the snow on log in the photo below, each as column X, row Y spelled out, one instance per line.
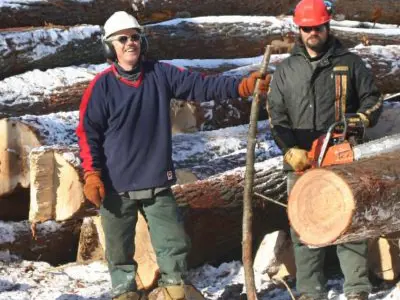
column 54, row 242
column 202, row 154
column 385, row 11
column 92, row 247
column 61, row 88
column 155, row 10
column 19, row 135
column 15, row 13
column 347, row 202
column 49, row 47
column 206, row 37
column 56, row 175
column 211, row 210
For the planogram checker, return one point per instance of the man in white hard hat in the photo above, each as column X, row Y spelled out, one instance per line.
column 125, row 143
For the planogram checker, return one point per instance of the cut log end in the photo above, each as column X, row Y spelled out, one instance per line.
column 16, row 143
column 56, row 191
column 320, row 210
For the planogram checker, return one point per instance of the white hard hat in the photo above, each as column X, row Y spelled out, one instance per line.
column 120, row 20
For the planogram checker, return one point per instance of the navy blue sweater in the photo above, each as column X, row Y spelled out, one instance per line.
column 125, row 129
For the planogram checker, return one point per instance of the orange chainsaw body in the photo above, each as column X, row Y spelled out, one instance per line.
column 335, row 153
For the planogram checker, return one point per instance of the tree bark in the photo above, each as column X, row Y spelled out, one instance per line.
column 154, row 10
column 362, row 10
column 41, row 12
column 36, row 99
column 211, row 210
column 54, row 242
column 79, row 44
column 64, row 46
column 383, row 11
column 56, row 175
column 345, row 203
column 351, row 38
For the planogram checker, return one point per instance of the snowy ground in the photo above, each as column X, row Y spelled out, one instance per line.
column 25, row 280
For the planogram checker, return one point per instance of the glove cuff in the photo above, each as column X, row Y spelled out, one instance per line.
column 91, row 173
column 364, row 119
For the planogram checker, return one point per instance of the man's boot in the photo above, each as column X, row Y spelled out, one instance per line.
column 181, row 292
column 313, row 297
column 174, row 292
column 131, row 296
column 357, row 296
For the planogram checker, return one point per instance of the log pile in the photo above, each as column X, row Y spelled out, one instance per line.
column 42, row 12
column 233, row 38
column 44, row 214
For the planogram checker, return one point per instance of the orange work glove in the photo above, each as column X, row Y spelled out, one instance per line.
column 297, row 159
column 248, row 84
column 94, row 187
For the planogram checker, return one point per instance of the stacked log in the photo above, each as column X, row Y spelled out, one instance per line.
column 211, row 210
column 54, row 242
column 41, row 12
column 96, row 12
column 233, row 38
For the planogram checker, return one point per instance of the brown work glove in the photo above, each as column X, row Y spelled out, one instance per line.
column 248, row 84
column 297, row 159
column 94, row 187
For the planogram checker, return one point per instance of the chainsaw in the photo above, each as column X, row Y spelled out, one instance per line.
column 336, row 146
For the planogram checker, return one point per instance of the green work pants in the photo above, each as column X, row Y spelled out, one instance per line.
column 310, row 277
column 171, row 244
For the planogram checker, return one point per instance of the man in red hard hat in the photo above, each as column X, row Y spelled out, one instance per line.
column 320, row 83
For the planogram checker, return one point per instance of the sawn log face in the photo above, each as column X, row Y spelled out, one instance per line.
column 367, row 204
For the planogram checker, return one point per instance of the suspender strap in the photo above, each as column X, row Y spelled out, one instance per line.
column 340, row 73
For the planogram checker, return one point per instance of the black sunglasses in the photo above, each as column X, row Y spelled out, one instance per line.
column 124, row 38
column 308, row 29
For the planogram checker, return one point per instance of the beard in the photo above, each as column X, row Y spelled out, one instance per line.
column 315, row 43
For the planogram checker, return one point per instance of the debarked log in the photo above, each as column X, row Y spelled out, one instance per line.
column 53, row 242
column 41, row 12
column 349, row 202
column 20, row 135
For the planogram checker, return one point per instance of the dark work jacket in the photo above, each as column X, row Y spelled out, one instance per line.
column 301, row 100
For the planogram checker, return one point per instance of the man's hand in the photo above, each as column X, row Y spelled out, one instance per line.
column 354, row 119
column 248, row 84
column 94, row 188
column 297, row 159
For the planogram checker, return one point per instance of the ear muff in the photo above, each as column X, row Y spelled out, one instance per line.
column 144, row 44
column 109, row 51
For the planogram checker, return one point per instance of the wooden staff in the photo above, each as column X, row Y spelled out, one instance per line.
column 247, row 239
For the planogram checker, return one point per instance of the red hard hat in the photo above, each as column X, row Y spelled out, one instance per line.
column 311, row 13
